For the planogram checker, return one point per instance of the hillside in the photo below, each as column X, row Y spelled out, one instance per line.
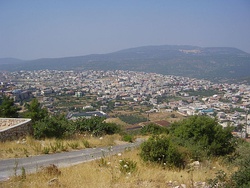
column 214, row 63
column 9, row 61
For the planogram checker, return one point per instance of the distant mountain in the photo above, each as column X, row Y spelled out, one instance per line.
column 8, row 61
column 214, row 63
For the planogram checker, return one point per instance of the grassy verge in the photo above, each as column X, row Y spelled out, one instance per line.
column 30, row 146
column 122, row 170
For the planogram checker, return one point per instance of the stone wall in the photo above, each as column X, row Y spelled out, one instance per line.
column 14, row 128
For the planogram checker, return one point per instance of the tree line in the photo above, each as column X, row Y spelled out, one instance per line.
column 46, row 125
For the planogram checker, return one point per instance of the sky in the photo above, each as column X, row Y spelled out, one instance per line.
column 32, row 29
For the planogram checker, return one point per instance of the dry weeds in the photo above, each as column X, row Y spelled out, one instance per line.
column 30, row 146
column 106, row 173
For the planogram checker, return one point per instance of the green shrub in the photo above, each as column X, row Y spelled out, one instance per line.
column 206, row 133
column 96, row 126
column 128, row 138
column 55, row 126
column 59, row 127
column 111, row 128
column 153, row 129
column 241, row 178
column 162, row 150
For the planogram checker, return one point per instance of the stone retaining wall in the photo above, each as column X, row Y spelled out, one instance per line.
column 14, row 128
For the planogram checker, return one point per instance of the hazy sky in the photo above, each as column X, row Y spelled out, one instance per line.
column 31, row 29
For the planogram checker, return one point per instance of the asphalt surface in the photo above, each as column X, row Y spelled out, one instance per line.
column 11, row 167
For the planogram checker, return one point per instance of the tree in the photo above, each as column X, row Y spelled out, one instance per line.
column 35, row 112
column 205, row 133
column 8, row 109
column 96, row 126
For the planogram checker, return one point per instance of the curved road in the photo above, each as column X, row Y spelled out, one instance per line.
column 8, row 167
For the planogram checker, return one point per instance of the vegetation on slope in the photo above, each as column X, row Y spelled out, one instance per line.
column 128, row 170
column 132, row 119
column 195, row 138
column 167, row 157
column 201, row 138
column 30, row 146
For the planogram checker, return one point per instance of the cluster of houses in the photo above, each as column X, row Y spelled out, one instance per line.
column 230, row 103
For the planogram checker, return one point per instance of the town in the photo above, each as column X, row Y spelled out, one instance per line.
column 148, row 92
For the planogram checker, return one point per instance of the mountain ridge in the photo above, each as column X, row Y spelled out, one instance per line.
column 213, row 63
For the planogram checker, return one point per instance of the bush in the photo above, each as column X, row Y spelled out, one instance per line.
column 162, row 150
column 206, row 133
column 60, row 127
column 153, row 129
column 128, row 138
column 241, row 178
column 55, row 126
column 96, row 126
column 111, row 128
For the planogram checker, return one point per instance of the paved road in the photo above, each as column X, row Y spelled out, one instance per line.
column 8, row 167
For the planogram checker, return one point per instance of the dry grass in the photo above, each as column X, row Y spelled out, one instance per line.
column 156, row 116
column 106, row 173
column 30, row 147
column 117, row 121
